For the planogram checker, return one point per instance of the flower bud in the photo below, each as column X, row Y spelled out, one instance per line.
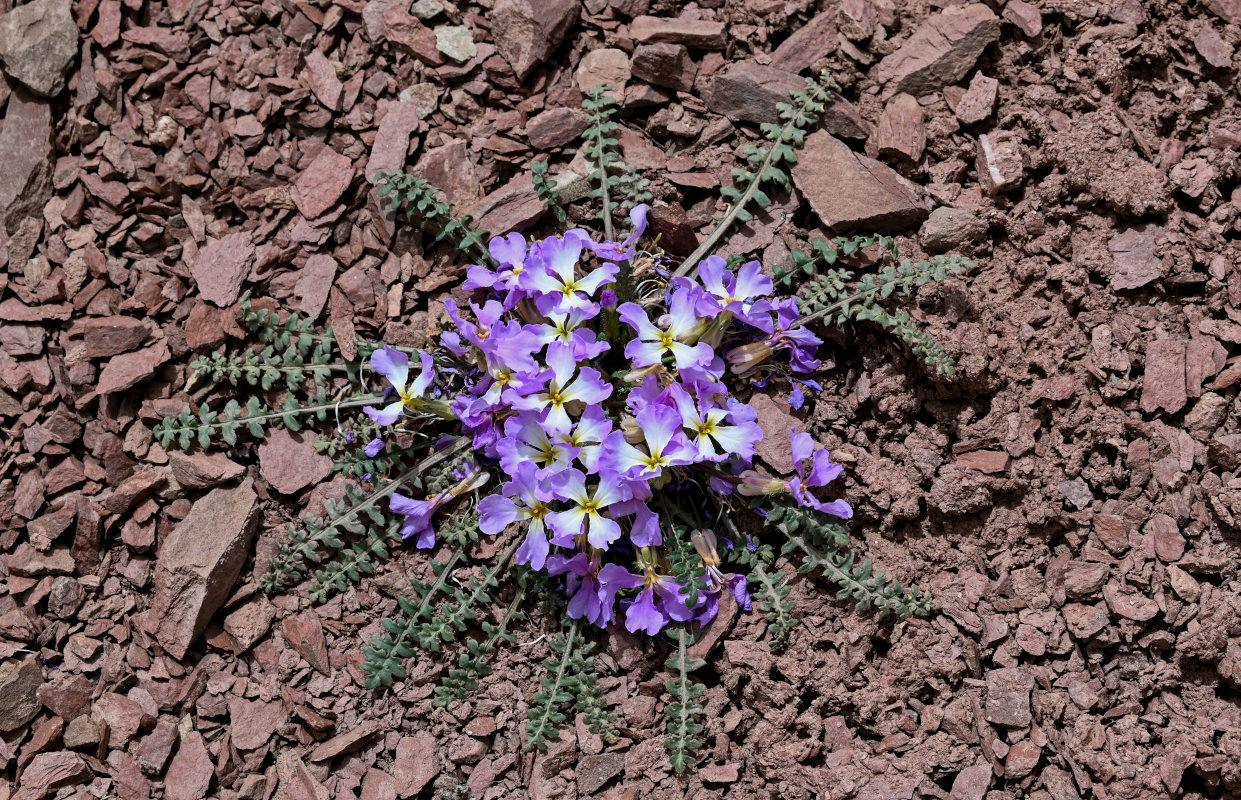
column 748, row 357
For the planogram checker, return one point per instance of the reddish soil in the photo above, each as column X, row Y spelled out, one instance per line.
column 1069, row 496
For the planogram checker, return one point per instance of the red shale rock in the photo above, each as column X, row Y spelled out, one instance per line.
column 697, row 33
column 20, row 680
column 941, row 51
column 901, row 131
column 222, row 266
column 48, row 772
column 304, row 632
column 198, row 564
column 290, row 463
column 850, row 191
column 189, row 774
column 321, row 183
column 1163, row 382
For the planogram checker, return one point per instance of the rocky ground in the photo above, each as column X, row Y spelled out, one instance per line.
column 1070, row 495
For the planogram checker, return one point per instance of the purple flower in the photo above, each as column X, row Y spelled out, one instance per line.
column 680, row 329
column 510, row 253
column 619, row 251
column 586, row 593
column 561, row 289
column 525, row 439
column 564, row 384
column 525, row 497
column 567, row 328
column 586, row 514
column 820, row 473
column 659, row 601
column 710, row 435
column 705, row 543
column 589, row 437
column 666, row 445
column 394, row 365
column 372, row 449
column 418, row 513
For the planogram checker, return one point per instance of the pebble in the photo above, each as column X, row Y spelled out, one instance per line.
column 456, row 42
column 971, row 783
column 526, row 32
column 222, row 266
column 999, row 162
column 607, row 67
column 1008, row 697
column 1085, row 621
column 978, row 102
column 901, row 130
column 1133, row 252
column 320, row 184
column 950, row 229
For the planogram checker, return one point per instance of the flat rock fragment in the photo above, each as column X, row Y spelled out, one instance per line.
column 941, row 51
column 850, row 191
column 38, row 41
column 1163, row 382
column 978, row 102
column 515, row 206
column 198, row 564
column 699, row 34
column 222, row 266
column 20, row 680
column 748, row 92
column 1133, row 251
column 322, row 182
column 901, row 130
column 391, row 147
column 526, row 32
column 26, row 153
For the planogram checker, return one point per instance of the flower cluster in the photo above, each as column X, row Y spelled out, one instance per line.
column 603, row 419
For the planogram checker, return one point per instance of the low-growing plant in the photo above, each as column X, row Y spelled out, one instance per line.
column 580, row 434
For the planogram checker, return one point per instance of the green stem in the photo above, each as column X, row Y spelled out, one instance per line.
column 551, row 703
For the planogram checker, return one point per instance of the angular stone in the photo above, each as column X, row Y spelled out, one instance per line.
column 1084, row 578
column 595, row 771
column 670, row 222
column 26, row 153
column 749, row 92
column 857, row 20
column 415, row 765
column 1212, row 47
column 555, row 127
column 66, row 696
column 250, row 622
column 1077, row 492
column 129, row 369
column 199, row 563
column 450, row 168
column 391, row 147
column 321, row 183
column 290, row 462
column 663, row 64
column 198, row 470
column 1163, row 382
column 1228, row 10
column 346, row 742
column 1183, row 584
column 527, row 31
column 110, row 336
column 1168, row 539
column 124, row 716
column 699, row 34
column 38, row 41
column 850, row 191
column 323, row 81
column 81, row 734
column 971, row 783
column 1008, row 697
column 1133, row 250
column 999, row 162
column 19, row 685
column 978, row 102
column 1129, row 603
column 157, row 746
column 304, row 632
column 1025, row 16
column 901, row 131
column 1022, row 758
column 607, row 67
column 950, row 228
column 222, row 266
column 515, row 206
column 456, row 42
column 807, row 44
column 189, row 774
column 941, row 51
column 254, row 722
column 48, row 772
